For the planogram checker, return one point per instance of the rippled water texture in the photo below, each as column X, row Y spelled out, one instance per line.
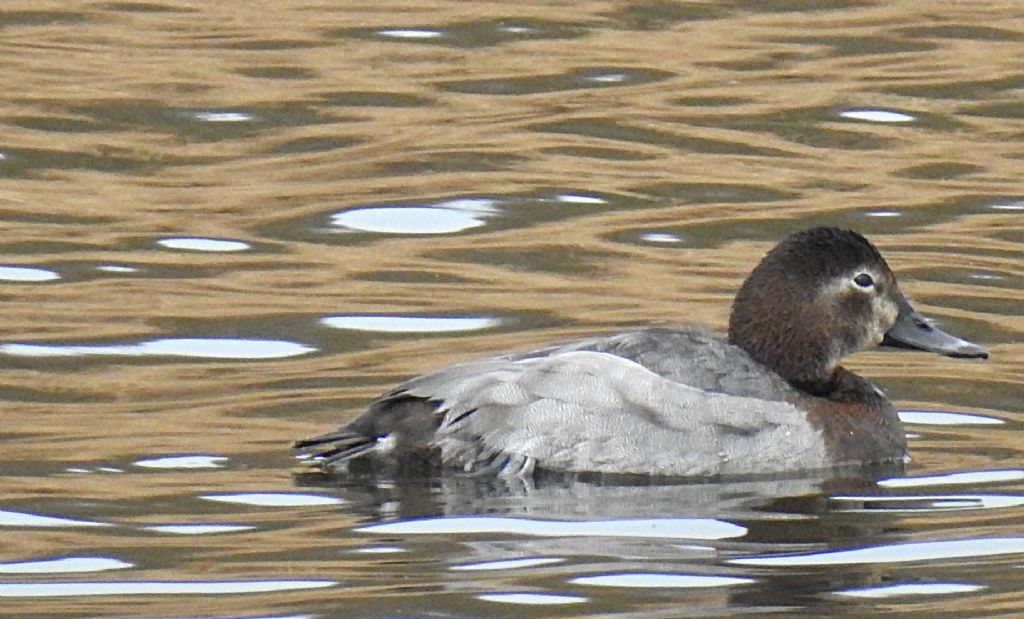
column 227, row 225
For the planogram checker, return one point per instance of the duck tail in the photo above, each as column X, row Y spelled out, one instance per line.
column 334, row 448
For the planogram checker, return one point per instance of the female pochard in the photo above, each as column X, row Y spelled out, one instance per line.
column 674, row 402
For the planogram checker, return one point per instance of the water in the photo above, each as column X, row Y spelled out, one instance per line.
column 229, row 225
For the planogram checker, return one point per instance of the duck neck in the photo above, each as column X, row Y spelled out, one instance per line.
column 818, row 387
column 804, row 356
column 812, row 370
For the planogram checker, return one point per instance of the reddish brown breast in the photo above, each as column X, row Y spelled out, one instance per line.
column 858, row 422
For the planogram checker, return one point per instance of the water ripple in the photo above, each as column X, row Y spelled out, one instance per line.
column 81, row 589
column 931, row 503
column 27, row 274
column 196, row 243
column 950, row 479
column 410, row 324
column 642, row 580
column 443, row 218
column 198, row 348
column 23, row 519
column 273, row 499
column 878, row 116
column 915, row 588
column 943, row 418
column 668, row 528
column 212, row 116
column 508, row 564
column 532, row 599
column 410, row 33
column 198, row 529
column 64, row 565
column 895, row 553
column 183, row 462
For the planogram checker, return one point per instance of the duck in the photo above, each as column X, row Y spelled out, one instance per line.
column 767, row 398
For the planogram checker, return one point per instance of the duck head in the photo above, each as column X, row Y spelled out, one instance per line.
column 820, row 295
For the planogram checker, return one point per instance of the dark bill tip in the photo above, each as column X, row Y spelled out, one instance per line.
column 913, row 331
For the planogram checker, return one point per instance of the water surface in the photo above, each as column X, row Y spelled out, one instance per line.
column 228, row 226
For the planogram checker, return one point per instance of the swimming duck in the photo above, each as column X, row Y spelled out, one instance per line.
column 681, row 402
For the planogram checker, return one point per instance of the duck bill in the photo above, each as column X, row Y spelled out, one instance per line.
column 913, row 331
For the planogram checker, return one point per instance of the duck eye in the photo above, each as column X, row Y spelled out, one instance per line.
column 864, row 280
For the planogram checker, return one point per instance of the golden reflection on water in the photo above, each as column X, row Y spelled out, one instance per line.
column 718, row 123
